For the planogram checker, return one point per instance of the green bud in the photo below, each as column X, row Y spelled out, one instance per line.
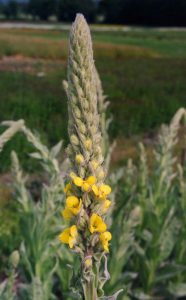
column 74, row 140
column 77, row 112
column 14, row 258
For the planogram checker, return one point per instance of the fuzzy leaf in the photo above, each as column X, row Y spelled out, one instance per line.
column 56, row 149
column 2, row 287
column 36, row 155
column 178, row 290
column 167, row 240
column 140, row 295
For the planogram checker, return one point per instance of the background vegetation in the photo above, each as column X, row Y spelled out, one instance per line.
column 144, row 12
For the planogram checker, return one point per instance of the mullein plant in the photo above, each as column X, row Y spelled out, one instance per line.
column 8, row 288
column 87, row 195
column 14, row 127
column 159, row 232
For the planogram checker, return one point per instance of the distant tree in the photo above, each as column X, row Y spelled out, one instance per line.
column 10, row 9
column 145, row 12
column 42, row 8
column 67, row 9
column 112, row 10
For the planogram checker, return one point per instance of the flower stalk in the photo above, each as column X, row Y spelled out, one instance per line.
column 87, row 195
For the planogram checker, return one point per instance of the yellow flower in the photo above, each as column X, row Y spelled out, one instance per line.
column 101, row 192
column 85, row 184
column 67, row 188
column 97, row 224
column 73, row 204
column 69, row 236
column 104, row 239
column 67, row 214
column 105, row 206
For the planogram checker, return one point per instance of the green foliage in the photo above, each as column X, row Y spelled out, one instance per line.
column 41, row 8
column 144, row 12
column 11, row 9
column 149, row 225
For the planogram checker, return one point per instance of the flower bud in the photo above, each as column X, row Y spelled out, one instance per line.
column 98, row 150
column 14, row 258
column 94, row 164
column 77, row 112
column 82, row 128
column 74, row 140
column 86, row 104
column 101, row 174
column 88, row 262
column 88, row 144
column 72, row 175
column 79, row 159
column 82, row 172
column 65, row 85
column 94, row 129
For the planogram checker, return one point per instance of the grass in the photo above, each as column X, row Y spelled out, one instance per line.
column 143, row 72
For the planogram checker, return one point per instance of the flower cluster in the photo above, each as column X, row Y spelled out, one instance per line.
column 86, row 204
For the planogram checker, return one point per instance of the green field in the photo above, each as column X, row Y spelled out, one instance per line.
column 143, row 73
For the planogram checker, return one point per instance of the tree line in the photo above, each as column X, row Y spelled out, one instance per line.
column 134, row 12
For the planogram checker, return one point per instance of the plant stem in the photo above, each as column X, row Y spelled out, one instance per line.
column 90, row 291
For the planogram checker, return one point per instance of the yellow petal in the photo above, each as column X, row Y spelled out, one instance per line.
column 71, row 242
column 106, row 248
column 102, row 227
column 74, row 204
column 85, row 186
column 106, row 189
column 73, row 231
column 95, row 190
column 67, row 214
column 72, row 201
column 107, row 235
column 67, row 188
column 97, row 224
column 105, row 206
column 78, row 181
column 91, row 180
column 104, row 239
column 64, row 236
